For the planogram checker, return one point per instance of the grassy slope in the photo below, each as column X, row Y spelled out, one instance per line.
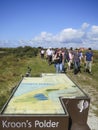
column 12, row 69
column 89, row 83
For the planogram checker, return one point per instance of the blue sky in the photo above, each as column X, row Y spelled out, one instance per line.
column 55, row 23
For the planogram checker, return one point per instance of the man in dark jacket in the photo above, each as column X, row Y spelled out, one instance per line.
column 76, row 61
column 89, row 60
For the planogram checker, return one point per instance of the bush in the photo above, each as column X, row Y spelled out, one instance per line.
column 26, row 51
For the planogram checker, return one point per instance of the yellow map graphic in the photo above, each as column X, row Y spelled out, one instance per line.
column 40, row 95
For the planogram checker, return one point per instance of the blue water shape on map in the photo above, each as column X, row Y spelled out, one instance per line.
column 40, row 96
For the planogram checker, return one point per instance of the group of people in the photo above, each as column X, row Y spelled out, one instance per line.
column 68, row 58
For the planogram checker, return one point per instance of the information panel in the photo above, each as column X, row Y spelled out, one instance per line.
column 43, row 102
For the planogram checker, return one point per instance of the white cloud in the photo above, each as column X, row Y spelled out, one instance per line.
column 63, row 38
column 94, row 29
column 93, row 33
column 44, row 36
column 86, row 36
column 70, row 34
column 85, row 26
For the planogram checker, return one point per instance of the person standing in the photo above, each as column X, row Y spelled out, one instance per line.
column 88, row 60
column 70, row 60
column 76, row 61
column 56, row 61
column 42, row 53
column 49, row 55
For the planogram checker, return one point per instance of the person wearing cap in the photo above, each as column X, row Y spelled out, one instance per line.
column 88, row 60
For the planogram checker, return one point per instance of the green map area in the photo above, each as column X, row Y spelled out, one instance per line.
column 40, row 95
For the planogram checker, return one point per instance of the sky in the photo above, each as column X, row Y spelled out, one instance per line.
column 49, row 23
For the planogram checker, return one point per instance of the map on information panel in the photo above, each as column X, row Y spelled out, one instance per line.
column 40, row 95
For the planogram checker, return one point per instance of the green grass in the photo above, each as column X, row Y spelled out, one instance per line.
column 89, row 83
column 12, row 68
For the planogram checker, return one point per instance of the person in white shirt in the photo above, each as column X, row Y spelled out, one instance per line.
column 49, row 55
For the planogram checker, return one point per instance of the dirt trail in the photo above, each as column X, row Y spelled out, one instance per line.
column 91, row 91
column 92, row 117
